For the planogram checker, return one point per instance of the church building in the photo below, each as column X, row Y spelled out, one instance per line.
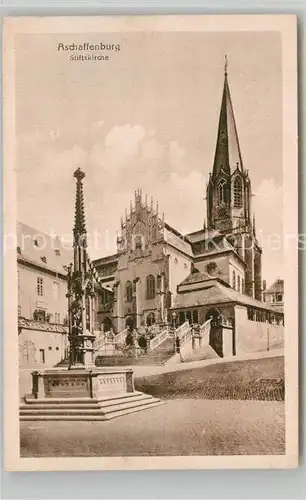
column 159, row 275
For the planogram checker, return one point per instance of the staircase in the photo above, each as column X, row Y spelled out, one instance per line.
column 161, row 353
column 106, row 408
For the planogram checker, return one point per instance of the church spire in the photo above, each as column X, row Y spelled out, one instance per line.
column 227, row 153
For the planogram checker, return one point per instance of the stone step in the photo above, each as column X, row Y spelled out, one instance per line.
column 113, row 396
column 139, row 397
column 116, row 414
column 123, row 406
column 58, row 401
column 96, row 416
column 105, row 402
column 93, row 410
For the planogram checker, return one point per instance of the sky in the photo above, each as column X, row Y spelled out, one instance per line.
column 146, row 118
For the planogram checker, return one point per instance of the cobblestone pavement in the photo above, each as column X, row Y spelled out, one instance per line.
column 179, row 427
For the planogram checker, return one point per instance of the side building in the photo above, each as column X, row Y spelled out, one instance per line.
column 274, row 295
column 42, row 302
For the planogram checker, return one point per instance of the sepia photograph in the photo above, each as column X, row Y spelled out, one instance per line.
column 150, row 241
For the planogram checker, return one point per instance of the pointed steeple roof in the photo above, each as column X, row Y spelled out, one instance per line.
column 79, row 229
column 227, row 155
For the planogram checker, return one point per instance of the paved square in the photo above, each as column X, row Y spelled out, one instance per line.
column 179, row 427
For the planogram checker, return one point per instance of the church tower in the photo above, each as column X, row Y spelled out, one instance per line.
column 228, row 195
column 229, row 187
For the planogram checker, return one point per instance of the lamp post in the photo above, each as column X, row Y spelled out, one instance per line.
column 174, row 321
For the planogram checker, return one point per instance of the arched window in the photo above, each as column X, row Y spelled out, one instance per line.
column 234, row 280
column 238, row 283
column 150, row 287
column 237, row 192
column 221, row 191
column 129, row 291
column 150, row 319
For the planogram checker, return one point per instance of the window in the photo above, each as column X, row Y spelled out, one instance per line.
column 138, row 242
column 268, row 297
column 279, row 297
column 150, row 319
column 57, row 252
column 19, row 250
column 181, row 317
column 237, row 192
column 104, row 297
column 40, row 286
column 188, row 316
column 56, row 290
column 41, row 355
column 242, row 285
column 44, row 259
column 221, row 192
column 195, row 318
column 238, row 283
column 150, row 287
column 234, row 280
column 39, row 315
column 50, row 348
column 129, row 291
column 57, row 318
column 57, row 348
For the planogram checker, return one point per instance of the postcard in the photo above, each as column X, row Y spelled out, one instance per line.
column 150, row 242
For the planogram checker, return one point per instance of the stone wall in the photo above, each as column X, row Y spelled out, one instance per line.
column 37, row 348
column 252, row 336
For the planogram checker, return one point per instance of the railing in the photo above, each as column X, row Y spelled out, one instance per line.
column 205, row 328
column 159, row 339
column 181, row 330
column 120, row 337
column 100, row 341
column 186, row 337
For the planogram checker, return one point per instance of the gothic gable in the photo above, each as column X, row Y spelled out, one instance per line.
column 141, row 229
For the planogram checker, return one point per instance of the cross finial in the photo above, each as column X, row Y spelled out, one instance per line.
column 225, row 64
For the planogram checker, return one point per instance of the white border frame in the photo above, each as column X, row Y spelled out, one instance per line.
column 286, row 25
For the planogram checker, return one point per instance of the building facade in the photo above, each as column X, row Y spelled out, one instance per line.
column 147, row 276
column 274, row 295
column 42, row 302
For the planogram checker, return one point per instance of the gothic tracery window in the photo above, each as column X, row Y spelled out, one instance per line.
column 129, row 291
column 150, row 287
column 237, row 192
column 221, row 192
